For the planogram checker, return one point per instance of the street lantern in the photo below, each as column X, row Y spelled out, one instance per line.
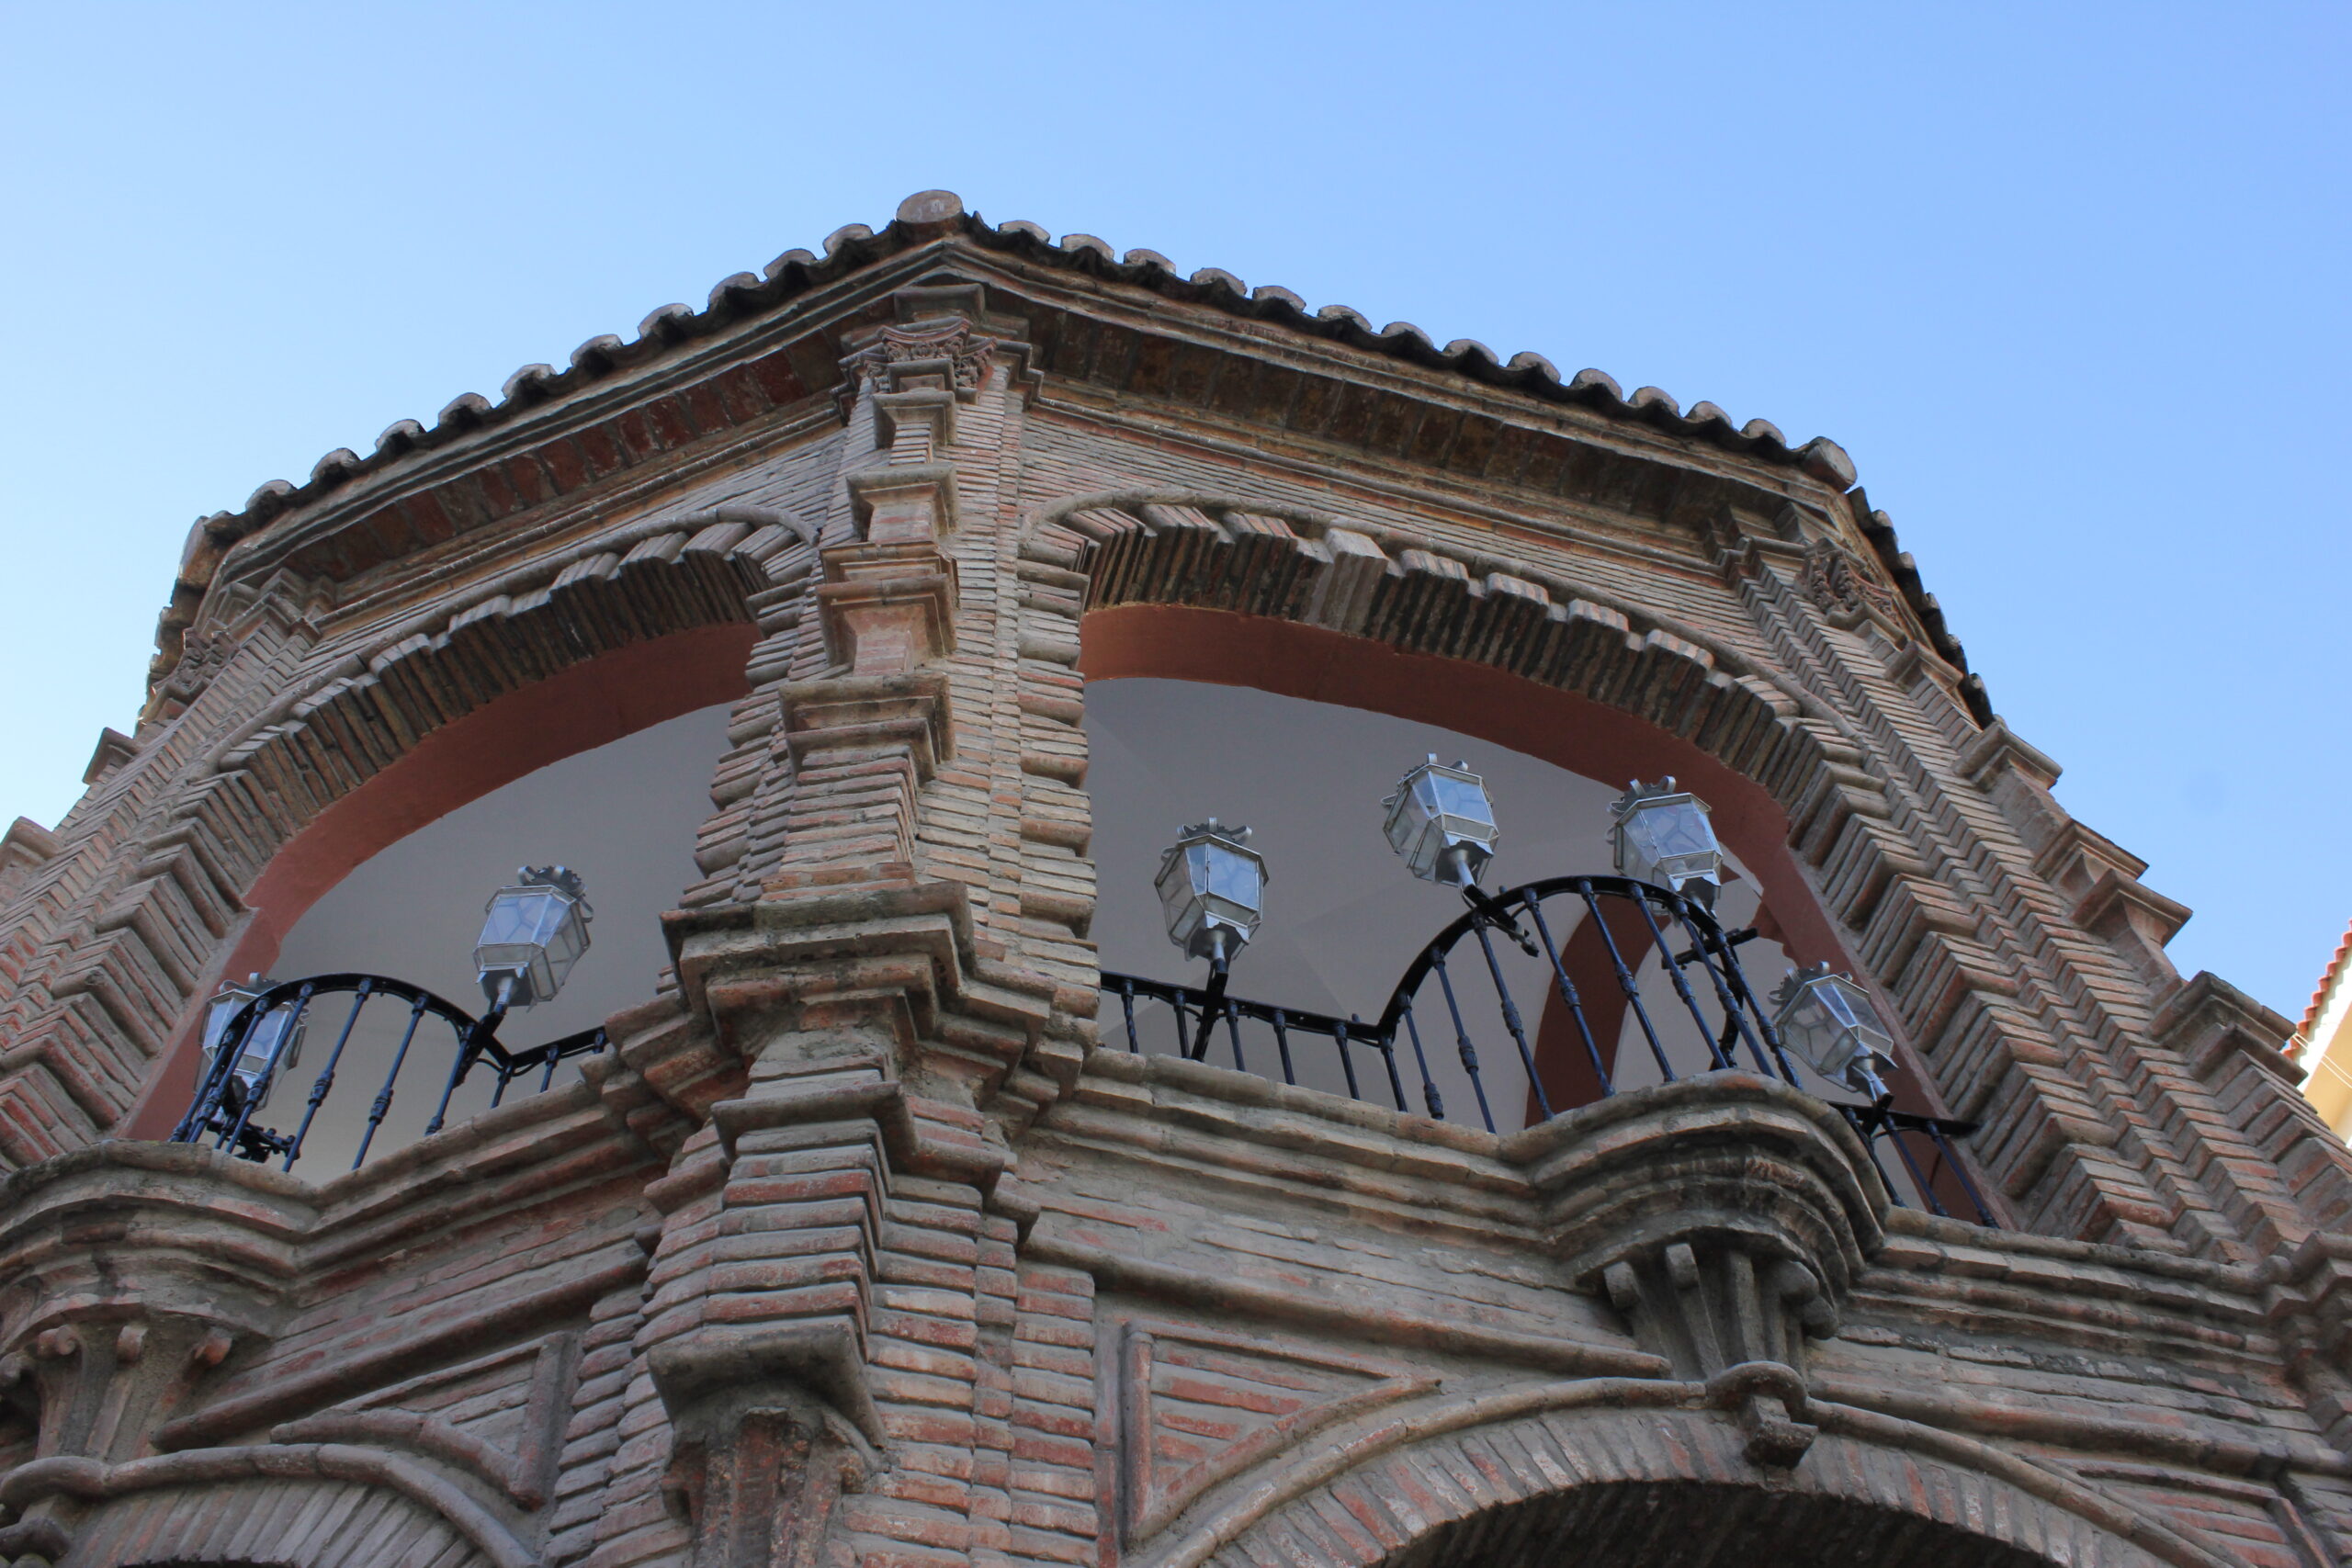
column 532, row 933
column 272, row 1041
column 1211, row 884
column 1442, row 822
column 1662, row 837
column 1830, row 1023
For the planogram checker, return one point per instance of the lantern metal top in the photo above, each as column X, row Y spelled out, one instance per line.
column 1662, row 836
column 1211, row 885
column 533, row 931
column 1441, row 821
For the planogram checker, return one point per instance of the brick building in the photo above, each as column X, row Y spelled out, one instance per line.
column 876, row 1234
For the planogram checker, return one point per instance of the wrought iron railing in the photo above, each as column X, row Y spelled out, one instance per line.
column 1577, row 946
column 234, row 1087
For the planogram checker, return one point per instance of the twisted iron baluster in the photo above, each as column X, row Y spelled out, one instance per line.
column 1568, row 995
column 1703, row 946
column 1625, row 980
column 1918, row 1178
column 269, row 1071
column 384, row 1097
column 1347, row 1062
column 1716, row 1052
column 1510, row 1019
column 1462, row 1037
column 1869, row 1146
column 1960, row 1172
column 1387, row 1048
column 1429, row 1096
column 326, row 1079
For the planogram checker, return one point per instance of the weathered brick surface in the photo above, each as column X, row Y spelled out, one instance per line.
column 856, row 1249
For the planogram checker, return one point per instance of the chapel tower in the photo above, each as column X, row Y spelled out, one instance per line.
column 879, row 1227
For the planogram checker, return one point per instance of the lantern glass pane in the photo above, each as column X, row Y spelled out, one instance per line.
column 1463, row 799
column 1227, row 875
column 1209, row 881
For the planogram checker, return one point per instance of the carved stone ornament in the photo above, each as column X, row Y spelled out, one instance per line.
column 1842, row 587
column 201, row 656
column 948, row 349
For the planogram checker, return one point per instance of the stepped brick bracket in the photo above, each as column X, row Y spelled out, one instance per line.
column 859, row 1246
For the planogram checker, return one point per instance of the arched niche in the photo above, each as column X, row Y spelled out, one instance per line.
column 614, row 645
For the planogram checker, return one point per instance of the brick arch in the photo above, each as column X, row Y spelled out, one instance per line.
column 614, row 642
column 1191, row 587
column 1626, row 1470
column 306, row 1505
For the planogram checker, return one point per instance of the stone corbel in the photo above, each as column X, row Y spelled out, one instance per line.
column 113, row 750
column 903, row 504
column 758, row 1463
column 103, row 1384
column 2017, row 777
column 2213, row 1023
column 1999, row 751
column 26, row 847
column 2134, row 920
column 1724, row 1217
column 1913, row 659
column 887, row 608
column 918, row 425
column 2074, row 859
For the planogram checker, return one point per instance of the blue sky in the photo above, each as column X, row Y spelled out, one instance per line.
column 2069, row 282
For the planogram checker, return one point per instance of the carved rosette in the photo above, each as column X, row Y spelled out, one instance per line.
column 1725, row 1217
column 1843, row 588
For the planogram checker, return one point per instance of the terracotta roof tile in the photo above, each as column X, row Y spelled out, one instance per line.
column 855, row 246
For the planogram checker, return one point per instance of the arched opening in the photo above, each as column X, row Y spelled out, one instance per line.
column 1686, row 1524
column 1629, row 1477
column 608, row 760
column 1259, row 719
column 1344, row 918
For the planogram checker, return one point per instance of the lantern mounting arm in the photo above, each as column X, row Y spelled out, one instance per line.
column 1731, row 939
column 1212, row 1003
column 1489, row 911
